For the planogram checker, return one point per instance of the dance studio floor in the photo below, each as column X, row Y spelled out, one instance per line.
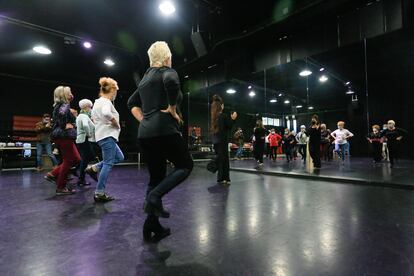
column 355, row 170
column 260, row 225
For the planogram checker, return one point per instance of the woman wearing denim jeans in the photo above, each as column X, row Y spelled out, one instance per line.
column 341, row 136
column 107, row 130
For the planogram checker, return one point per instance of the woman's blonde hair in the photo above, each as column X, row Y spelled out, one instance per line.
column 61, row 95
column 391, row 122
column 158, row 53
column 106, row 85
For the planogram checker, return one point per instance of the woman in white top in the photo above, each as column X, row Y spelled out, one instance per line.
column 107, row 130
column 341, row 136
column 85, row 135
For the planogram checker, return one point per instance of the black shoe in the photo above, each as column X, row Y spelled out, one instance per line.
column 51, row 178
column 103, row 198
column 155, row 209
column 94, row 175
column 155, row 227
column 82, row 183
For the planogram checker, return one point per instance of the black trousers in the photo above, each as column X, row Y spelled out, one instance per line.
column 302, row 150
column 377, row 151
column 223, row 163
column 288, row 150
column 87, row 155
column 315, row 153
column 273, row 152
column 393, row 151
column 258, row 150
column 157, row 151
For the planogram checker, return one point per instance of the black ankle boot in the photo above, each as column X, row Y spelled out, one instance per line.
column 152, row 225
column 155, row 209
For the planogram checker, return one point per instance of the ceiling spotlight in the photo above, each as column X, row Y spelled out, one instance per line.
column 249, row 87
column 42, row 50
column 322, row 69
column 323, row 78
column 280, row 95
column 252, row 94
column 287, row 102
column 348, row 83
column 230, row 91
column 167, row 8
column 350, row 91
column 305, row 73
column 310, row 107
column 299, row 106
column 273, row 101
column 186, row 76
column 109, row 62
column 87, row 45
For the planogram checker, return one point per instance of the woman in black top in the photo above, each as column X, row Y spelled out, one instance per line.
column 393, row 136
column 221, row 124
column 155, row 105
column 259, row 133
column 314, row 133
column 288, row 141
column 375, row 140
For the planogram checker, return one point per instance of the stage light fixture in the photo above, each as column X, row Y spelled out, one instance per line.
column 231, row 91
column 305, row 73
column 87, row 45
column 167, row 8
column 323, row 78
column 252, row 94
column 273, row 101
column 109, row 62
column 43, row 50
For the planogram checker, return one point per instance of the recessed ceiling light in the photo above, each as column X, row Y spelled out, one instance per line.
column 109, row 62
column 280, row 95
column 231, row 91
column 350, row 91
column 252, row 94
column 310, row 107
column 42, row 50
column 348, row 83
column 167, row 8
column 299, row 106
column 305, row 73
column 322, row 69
column 87, row 45
column 273, row 101
column 323, row 78
column 287, row 102
column 249, row 87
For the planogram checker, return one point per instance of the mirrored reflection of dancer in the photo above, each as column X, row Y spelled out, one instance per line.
column 155, row 105
column 288, row 141
column 274, row 140
column 341, row 136
column 107, row 129
column 393, row 136
column 221, row 124
column 375, row 140
column 325, row 143
column 63, row 135
column 259, row 133
column 302, row 140
column 314, row 133
column 85, row 135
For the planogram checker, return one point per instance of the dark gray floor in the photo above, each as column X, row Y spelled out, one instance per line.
column 354, row 169
column 260, row 225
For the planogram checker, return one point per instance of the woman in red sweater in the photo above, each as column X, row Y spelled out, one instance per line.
column 274, row 140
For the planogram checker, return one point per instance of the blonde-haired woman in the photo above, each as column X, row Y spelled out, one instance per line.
column 155, row 105
column 85, row 135
column 63, row 135
column 107, row 130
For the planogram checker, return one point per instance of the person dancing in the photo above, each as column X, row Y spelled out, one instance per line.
column 107, row 129
column 314, row 133
column 274, row 140
column 259, row 133
column 302, row 140
column 63, row 135
column 85, row 135
column 221, row 124
column 393, row 137
column 155, row 105
column 341, row 136
column 288, row 144
column 374, row 138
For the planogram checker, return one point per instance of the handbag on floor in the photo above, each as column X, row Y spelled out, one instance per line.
column 212, row 166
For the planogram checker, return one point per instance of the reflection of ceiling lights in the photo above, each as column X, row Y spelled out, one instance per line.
column 323, row 78
column 287, row 102
column 167, row 8
column 305, row 73
column 252, row 94
column 249, row 87
column 322, row 69
column 310, row 107
column 230, row 91
column 273, row 101
column 348, row 83
column 280, row 95
column 42, row 50
column 109, row 62
column 299, row 106
column 350, row 91
column 186, row 76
